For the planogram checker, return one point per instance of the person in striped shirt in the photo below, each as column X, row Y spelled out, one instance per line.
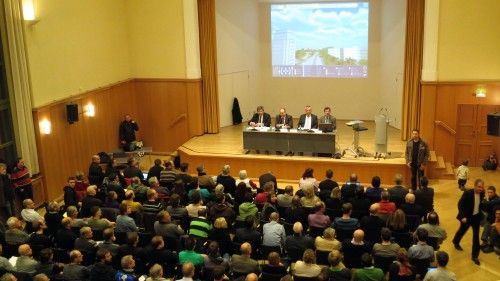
column 200, row 227
column 21, row 179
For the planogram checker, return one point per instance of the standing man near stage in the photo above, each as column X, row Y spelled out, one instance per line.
column 308, row 120
column 283, row 120
column 417, row 155
column 328, row 118
column 260, row 119
column 469, row 214
column 127, row 133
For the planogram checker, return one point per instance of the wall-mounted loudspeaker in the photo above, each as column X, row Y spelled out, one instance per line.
column 72, row 113
column 493, row 124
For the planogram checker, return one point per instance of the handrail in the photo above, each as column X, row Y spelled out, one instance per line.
column 446, row 126
column 177, row 119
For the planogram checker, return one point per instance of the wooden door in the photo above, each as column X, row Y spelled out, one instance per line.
column 472, row 141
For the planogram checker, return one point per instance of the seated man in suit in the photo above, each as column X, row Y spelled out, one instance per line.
column 308, row 120
column 283, row 120
column 260, row 119
column 328, row 118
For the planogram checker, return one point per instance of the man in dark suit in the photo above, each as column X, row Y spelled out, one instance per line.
column 416, row 155
column 260, row 119
column 283, row 120
column 469, row 214
column 308, row 120
column 328, row 118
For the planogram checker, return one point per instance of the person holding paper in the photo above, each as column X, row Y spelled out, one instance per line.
column 308, row 120
column 328, row 118
column 260, row 119
column 283, row 120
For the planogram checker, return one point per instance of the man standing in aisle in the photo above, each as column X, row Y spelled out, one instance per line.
column 328, row 118
column 261, row 118
column 417, row 155
column 128, row 127
column 308, row 120
column 469, row 214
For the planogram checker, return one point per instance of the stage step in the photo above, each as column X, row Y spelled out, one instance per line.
column 440, row 163
column 433, row 157
column 449, row 169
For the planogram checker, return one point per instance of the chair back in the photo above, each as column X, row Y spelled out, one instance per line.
column 61, row 255
column 270, row 277
column 121, row 237
column 383, row 262
column 172, row 244
column 421, row 266
column 148, row 221
column 322, row 257
column 404, row 239
column 299, row 278
column 10, row 250
column 413, row 221
column 295, row 254
column 110, row 213
column 343, row 234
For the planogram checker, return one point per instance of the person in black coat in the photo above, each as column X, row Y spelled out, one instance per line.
column 283, row 120
column 70, row 197
column 260, row 119
column 326, row 186
column 96, row 175
column 267, row 177
column 102, row 270
column 127, row 130
column 155, row 170
column 302, row 119
column 425, row 196
column 6, row 192
column 469, row 215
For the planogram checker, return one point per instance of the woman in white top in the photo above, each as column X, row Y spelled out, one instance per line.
column 307, row 267
column 244, row 178
column 308, row 178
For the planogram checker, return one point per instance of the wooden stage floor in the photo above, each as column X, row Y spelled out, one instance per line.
column 226, row 147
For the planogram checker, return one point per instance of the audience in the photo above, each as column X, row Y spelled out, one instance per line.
column 273, row 233
column 74, row 270
column 285, row 199
column 327, row 185
column 163, row 226
column 102, row 270
column 441, row 273
column 398, row 192
column 124, row 223
column 319, row 219
column 433, row 229
column 307, row 267
column 243, row 264
column 327, row 242
column 372, row 224
column 127, row 271
column 374, row 191
column 336, row 271
column 297, row 243
column 386, row 248
column 25, row 262
column 355, row 248
column 15, row 235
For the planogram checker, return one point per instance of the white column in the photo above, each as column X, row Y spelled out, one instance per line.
column 431, row 37
column 191, row 39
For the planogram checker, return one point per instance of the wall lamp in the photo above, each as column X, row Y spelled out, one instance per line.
column 480, row 92
column 45, row 126
column 89, row 110
column 29, row 14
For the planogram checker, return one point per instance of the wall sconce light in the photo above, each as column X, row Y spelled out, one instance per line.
column 480, row 92
column 89, row 110
column 45, row 127
column 29, row 12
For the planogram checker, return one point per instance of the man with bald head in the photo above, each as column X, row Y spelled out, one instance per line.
column 187, row 272
column 96, row 175
column 252, row 277
column 355, row 248
column 244, row 264
column 410, row 208
column 350, row 188
column 298, row 242
column 90, row 200
column 25, row 262
column 372, row 224
column 273, row 233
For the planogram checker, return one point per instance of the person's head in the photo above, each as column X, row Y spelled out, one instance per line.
column 28, row 204
column 252, row 277
column 308, row 190
column 274, row 259
column 226, row 169
column 329, row 233
column 128, row 262
column 157, row 242
column 269, row 187
column 422, row 234
column 335, row 257
column 153, row 182
column 156, row 271
column 366, row 260
column 14, row 223
column 132, row 238
column 478, row 186
column 353, row 177
column 347, row 208
column 246, row 249
column 128, row 118
column 376, row 181
column 329, row 173
column 168, row 165
column 72, row 211
column 398, row 179
column 8, row 277
column 296, row 202
column 374, row 209
column 86, row 232
column 274, row 216
column 104, row 255
column 108, row 234
column 219, row 193
column 433, row 218
column 442, row 258
column 96, row 212
column 175, row 200
column 157, row 162
column 327, row 110
column 3, row 169
column 164, row 217
column 202, row 212
column 75, row 257
column 307, row 110
column 96, row 159
column 415, row 134
column 91, row 190
column 410, row 198
column 220, row 223
column 200, row 169
column 25, row 250
column 336, row 193
column 151, row 194
column 497, row 214
column 385, row 234
column 189, row 243
column 309, row 257
column 213, row 249
column 298, row 228
column 424, row 181
column 282, row 112
column 41, row 277
column 124, row 209
column 112, row 196
column 39, row 225
column 319, row 206
column 358, row 235
column 289, row 190
column 384, row 195
column 218, row 273
column 46, row 255
column 184, row 167
column 465, row 162
column 243, row 174
column 308, row 173
column 491, row 191
column 397, row 220
column 66, row 222
column 71, row 182
column 196, row 197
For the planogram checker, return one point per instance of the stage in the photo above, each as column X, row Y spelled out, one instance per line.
column 226, row 147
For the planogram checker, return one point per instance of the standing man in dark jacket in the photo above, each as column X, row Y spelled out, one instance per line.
column 469, row 214
column 128, row 127
column 96, row 175
column 416, row 155
column 6, row 192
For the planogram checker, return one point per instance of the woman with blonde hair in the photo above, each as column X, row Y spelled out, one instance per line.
column 336, row 270
column 156, row 273
column 307, row 267
column 220, row 234
column 327, row 242
column 310, row 199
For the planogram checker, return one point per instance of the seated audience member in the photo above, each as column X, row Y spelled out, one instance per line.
column 165, row 228
column 158, row 254
column 220, row 234
column 494, row 235
column 401, row 269
column 135, row 207
column 124, row 223
column 386, row 207
column 8, row 277
column 346, row 223
column 319, row 219
column 161, row 191
column 491, row 163
column 72, row 213
column 441, row 273
column 102, row 270
column 90, row 200
column 386, row 248
column 262, row 197
column 310, row 199
column 227, row 180
column 349, row 189
column 222, row 209
column 307, row 267
column 200, row 227
column 296, row 212
column 273, row 233
column 70, row 197
column 243, row 178
column 336, row 271
column 372, row 224
column 96, row 222
column 41, row 277
column 168, row 175
column 53, row 218
column 274, row 265
column 421, row 250
column 214, row 258
column 112, row 200
column 333, row 202
column 81, row 185
column 269, row 207
column 285, row 199
column 126, row 273
column 156, row 273
column 489, row 205
column 248, row 233
column 327, row 185
column 109, row 238
column 152, row 204
column 374, row 191
column 433, row 228
column 187, row 271
column 360, row 205
column 5, row 265
column 327, row 242
column 133, row 169
column 25, row 262
column 74, row 270
column 46, row 265
column 183, row 174
column 189, row 254
column 85, row 243
column 368, row 272
column 29, row 214
column 308, row 179
column 244, row 264
column 410, row 208
column 204, row 180
column 353, row 249
column 397, row 222
column 204, row 193
column 15, row 235
column 398, row 192
column 130, row 247
column 65, row 237
column 175, row 208
column 247, row 208
column 425, row 196
column 267, row 177
column 241, row 192
column 115, row 185
column 298, row 242
column 38, row 237
column 155, row 170
column 196, row 204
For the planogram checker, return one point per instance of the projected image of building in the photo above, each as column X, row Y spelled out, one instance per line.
column 283, row 44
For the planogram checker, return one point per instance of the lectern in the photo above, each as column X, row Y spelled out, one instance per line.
column 355, row 149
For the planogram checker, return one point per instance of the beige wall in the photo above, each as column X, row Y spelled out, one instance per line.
column 78, row 45
column 469, row 40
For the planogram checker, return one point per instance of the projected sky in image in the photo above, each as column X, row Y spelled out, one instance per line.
column 320, row 40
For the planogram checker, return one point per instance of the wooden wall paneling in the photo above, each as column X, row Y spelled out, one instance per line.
column 428, row 105
column 177, row 124
column 194, row 108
